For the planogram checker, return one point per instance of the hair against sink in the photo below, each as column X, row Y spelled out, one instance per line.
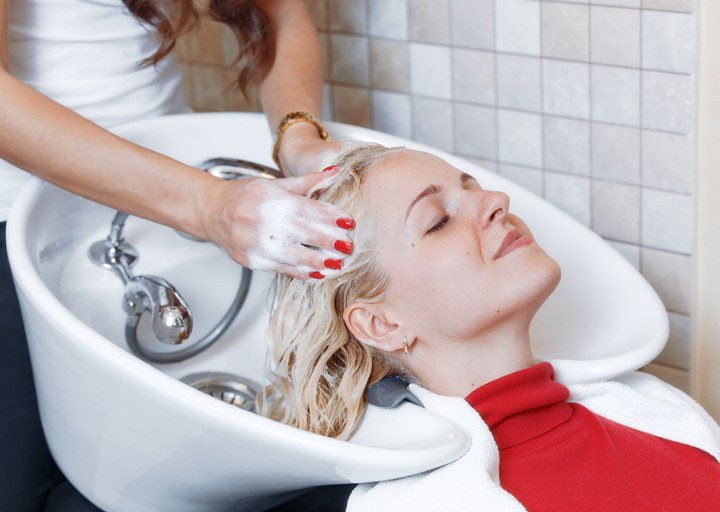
column 441, row 288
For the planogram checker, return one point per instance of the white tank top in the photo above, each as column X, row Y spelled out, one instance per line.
column 85, row 55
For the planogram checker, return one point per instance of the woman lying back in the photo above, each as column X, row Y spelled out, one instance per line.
column 441, row 287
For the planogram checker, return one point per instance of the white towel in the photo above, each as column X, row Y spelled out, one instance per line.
column 472, row 483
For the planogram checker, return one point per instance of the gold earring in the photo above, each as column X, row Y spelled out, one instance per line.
column 405, row 345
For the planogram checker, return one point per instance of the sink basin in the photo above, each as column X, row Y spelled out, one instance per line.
column 131, row 436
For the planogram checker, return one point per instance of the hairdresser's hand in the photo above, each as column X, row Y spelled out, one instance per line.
column 269, row 224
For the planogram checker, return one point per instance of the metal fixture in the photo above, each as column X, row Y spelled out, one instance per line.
column 172, row 321
column 229, row 388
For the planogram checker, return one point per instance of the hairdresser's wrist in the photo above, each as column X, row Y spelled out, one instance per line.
column 298, row 144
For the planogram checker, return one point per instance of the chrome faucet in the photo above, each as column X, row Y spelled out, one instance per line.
column 171, row 317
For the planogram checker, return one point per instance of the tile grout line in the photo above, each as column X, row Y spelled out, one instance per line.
column 496, row 107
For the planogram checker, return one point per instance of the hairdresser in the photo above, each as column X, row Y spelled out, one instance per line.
column 71, row 69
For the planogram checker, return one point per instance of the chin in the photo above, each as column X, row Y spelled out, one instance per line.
column 549, row 279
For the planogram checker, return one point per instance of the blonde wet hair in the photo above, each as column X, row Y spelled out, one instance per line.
column 319, row 371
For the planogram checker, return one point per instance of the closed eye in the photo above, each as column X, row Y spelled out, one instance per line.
column 439, row 225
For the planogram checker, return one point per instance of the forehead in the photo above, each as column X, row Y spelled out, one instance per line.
column 400, row 177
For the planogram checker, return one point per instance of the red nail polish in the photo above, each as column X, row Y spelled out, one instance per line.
column 331, row 168
column 345, row 223
column 316, row 275
column 333, row 264
column 343, row 246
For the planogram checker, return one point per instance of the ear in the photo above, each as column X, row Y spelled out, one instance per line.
column 370, row 325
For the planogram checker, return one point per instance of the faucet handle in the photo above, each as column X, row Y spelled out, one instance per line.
column 171, row 317
column 172, row 324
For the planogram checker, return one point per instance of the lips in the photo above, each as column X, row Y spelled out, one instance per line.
column 512, row 241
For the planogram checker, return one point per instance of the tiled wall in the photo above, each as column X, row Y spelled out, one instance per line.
column 588, row 103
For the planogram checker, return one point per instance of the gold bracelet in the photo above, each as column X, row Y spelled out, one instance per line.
column 287, row 122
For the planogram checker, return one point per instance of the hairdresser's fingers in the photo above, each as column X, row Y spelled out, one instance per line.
column 332, row 241
column 267, row 265
column 318, row 227
column 313, row 262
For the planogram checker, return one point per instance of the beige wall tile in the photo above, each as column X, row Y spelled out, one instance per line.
column 617, row 3
column 677, row 350
column 671, row 276
column 472, row 23
column 668, row 41
column 475, row 131
column 388, row 18
column 348, row 16
column 207, row 87
column 670, row 5
column 566, row 145
column 615, row 36
column 668, row 101
column 430, row 73
column 569, row 193
column 616, row 211
column 526, row 177
column 517, row 25
column 230, row 46
column 615, row 95
column 668, row 161
column 668, row 220
column 351, row 105
column 518, row 82
column 350, row 59
column 520, row 138
column 616, row 153
column 389, row 65
column 565, row 31
column 430, row 21
column 433, row 122
column 674, row 376
column 566, row 88
column 473, row 76
column 204, row 44
column 234, row 99
column 392, row 113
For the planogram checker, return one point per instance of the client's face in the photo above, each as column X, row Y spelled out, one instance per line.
column 459, row 263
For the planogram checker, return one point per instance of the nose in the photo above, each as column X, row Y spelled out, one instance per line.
column 490, row 207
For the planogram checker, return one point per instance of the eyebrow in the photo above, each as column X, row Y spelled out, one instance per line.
column 433, row 189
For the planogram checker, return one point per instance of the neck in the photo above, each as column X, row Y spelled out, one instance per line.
column 457, row 367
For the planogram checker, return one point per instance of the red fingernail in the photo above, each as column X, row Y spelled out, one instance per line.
column 345, row 223
column 316, row 275
column 333, row 264
column 343, row 246
column 331, row 168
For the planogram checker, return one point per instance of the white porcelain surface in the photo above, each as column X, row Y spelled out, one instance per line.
column 132, row 437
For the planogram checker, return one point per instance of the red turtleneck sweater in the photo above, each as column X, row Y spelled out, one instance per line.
column 557, row 456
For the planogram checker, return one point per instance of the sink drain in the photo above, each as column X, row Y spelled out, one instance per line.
column 229, row 388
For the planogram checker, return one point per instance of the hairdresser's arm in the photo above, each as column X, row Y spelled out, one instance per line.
column 295, row 84
column 60, row 146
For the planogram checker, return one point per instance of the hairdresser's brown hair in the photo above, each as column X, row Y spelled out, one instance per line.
column 252, row 27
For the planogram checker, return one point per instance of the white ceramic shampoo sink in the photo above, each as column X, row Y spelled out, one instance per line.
column 132, row 437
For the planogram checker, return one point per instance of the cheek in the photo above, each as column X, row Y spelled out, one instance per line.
column 443, row 288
